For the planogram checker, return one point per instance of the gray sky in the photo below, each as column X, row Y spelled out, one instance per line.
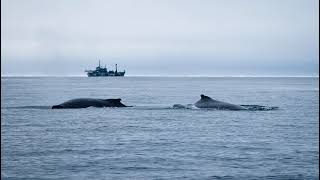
column 160, row 37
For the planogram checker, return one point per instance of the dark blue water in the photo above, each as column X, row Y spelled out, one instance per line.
column 152, row 140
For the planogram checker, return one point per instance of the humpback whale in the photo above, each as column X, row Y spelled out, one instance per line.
column 89, row 102
column 208, row 102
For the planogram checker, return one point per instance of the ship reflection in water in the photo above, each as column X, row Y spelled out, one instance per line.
column 104, row 72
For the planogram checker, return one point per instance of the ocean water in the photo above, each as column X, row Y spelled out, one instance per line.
column 151, row 140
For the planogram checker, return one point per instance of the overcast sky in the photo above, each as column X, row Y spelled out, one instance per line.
column 160, row 37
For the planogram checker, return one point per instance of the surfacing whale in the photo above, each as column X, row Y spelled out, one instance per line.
column 208, row 102
column 89, row 102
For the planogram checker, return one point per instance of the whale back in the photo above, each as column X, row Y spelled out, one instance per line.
column 208, row 102
column 89, row 102
column 82, row 103
column 113, row 103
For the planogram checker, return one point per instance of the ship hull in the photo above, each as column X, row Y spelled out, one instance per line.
column 105, row 75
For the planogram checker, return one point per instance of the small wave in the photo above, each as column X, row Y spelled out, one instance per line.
column 188, row 106
column 145, row 107
column 248, row 107
column 28, row 107
column 259, row 107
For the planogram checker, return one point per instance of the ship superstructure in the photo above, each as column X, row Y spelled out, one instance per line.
column 103, row 71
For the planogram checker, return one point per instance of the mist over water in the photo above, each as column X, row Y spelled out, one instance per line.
column 266, row 37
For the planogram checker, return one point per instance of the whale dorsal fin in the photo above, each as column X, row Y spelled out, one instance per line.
column 203, row 97
column 114, row 100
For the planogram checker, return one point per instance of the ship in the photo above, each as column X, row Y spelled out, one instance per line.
column 100, row 71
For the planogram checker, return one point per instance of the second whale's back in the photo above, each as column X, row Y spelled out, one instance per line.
column 207, row 102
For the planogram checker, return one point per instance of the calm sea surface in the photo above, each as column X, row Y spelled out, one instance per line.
column 153, row 141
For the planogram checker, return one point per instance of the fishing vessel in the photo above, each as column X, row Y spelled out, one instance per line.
column 103, row 71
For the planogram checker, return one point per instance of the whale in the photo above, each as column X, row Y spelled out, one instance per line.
column 208, row 102
column 89, row 102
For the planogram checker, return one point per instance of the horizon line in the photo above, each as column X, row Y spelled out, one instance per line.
column 73, row 75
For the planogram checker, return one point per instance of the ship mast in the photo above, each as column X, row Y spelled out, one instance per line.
column 116, row 68
column 99, row 63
